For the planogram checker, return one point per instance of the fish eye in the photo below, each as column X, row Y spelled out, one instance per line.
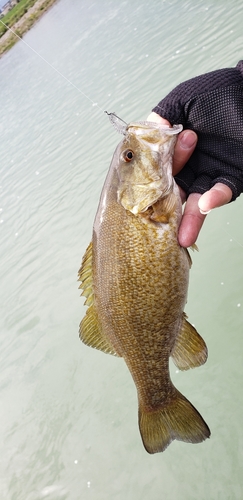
column 128, row 155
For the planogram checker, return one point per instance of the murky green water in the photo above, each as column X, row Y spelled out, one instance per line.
column 68, row 420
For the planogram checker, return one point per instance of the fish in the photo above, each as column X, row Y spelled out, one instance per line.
column 134, row 276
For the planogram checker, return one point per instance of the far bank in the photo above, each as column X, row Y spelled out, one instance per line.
column 23, row 24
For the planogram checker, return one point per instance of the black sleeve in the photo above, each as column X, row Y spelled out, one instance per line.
column 212, row 106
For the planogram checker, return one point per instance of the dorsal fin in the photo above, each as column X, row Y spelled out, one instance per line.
column 86, row 277
column 90, row 331
column 91, row 334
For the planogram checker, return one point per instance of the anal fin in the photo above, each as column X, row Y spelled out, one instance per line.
column 189, row 349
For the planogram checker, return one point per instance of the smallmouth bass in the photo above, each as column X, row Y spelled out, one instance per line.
column 134, row 275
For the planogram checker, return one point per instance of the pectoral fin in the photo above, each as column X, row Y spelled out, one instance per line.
column 90, row 331
column 189, row 349
column 163, row 209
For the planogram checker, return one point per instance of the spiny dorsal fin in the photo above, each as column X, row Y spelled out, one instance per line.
column 189, row 349
column 86, row 277
column 90, row 331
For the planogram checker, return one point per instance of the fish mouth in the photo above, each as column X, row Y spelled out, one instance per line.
column 140, row 126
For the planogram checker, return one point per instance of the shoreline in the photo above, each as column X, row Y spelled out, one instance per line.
column 24, row 24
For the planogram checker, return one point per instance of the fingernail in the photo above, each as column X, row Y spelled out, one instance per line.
column 204, row 213
column 188, row 140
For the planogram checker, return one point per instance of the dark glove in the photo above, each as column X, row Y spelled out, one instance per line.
column 212, row 106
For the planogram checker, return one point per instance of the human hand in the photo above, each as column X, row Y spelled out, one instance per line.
column 197, row 205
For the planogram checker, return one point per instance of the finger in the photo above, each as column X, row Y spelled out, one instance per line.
column 192, row 221
column 154, row 117
column 218, row 195
column 186, row 143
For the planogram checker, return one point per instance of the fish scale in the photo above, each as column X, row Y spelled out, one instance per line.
column 135, row 279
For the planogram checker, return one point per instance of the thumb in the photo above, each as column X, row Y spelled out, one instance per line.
column 186, row 143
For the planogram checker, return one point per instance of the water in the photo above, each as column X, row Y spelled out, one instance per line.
column 68, row 413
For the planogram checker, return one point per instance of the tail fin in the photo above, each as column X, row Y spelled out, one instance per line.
column 176, row 420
